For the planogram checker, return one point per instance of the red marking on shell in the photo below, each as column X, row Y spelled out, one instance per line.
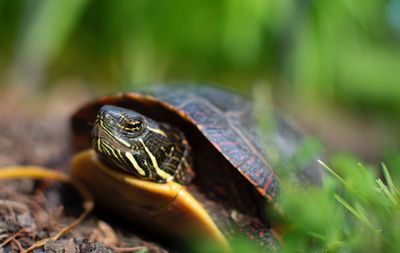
column 251, row 160
column 264, row 190
column 200, row 114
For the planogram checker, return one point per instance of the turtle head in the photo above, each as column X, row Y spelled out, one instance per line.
column 132, row 142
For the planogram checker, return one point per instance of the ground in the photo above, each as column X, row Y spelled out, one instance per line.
column 34, row 130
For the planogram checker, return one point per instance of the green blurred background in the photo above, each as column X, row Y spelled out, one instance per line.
column 332, row 65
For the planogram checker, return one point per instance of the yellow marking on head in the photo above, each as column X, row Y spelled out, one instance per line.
column 111, row 135
column 159, row 171
column 170, row 152
column 111, row 148
column 119, row 154
column 106, row 130
column 98, row 145
column 158, row 131
column 119, row 125
column 106, row 150
column 135, row 164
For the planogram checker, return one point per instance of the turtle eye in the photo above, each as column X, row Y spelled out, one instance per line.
column 133, row 126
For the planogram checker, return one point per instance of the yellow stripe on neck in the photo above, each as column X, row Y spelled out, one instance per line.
column 158, row 131
column 159, row 171
column 135, row 164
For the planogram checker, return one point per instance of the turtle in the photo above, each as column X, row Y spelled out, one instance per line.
column 200, row 142
column 185, row 162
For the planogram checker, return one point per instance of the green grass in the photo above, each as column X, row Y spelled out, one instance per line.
column 354, row 211
column 357, row 209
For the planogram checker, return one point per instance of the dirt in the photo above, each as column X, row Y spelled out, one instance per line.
column 34, row 130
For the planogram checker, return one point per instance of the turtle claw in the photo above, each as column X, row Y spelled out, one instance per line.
column 36, row 172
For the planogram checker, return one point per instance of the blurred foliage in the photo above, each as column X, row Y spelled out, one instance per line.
column 339, row 51
column 349, row 52
column 353, row 212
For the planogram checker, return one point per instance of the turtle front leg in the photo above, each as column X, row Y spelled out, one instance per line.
column 36, row 172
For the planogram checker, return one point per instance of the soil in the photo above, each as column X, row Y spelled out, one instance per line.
column 34, row 130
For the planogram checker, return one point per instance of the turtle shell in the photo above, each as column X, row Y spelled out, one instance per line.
column 216, row 119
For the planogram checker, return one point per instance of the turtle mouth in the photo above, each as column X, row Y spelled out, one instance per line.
column 95, row 139
column 95, row 134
